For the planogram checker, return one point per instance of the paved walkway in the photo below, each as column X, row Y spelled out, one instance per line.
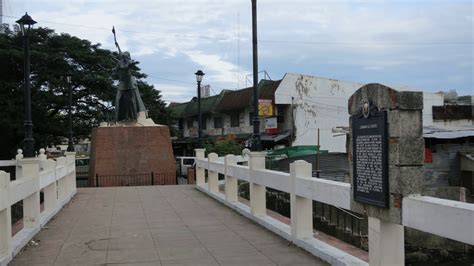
column 159, row 225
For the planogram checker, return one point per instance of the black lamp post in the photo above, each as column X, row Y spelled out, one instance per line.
column 70, row 144
column 256, row 145
column 199, row 75
column 26, row 23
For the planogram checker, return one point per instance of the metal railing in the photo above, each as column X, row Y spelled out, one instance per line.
column 146, row 179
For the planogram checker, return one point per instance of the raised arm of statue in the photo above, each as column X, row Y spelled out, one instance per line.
column 128, row 103
column 115, row 40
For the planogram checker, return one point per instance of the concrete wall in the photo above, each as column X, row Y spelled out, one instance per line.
column 430, row 100
column 452, row 123
column 317, row 103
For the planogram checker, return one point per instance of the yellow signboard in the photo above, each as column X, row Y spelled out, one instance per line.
column 265, row 107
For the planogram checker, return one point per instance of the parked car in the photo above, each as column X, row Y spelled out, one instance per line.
column 182, row 165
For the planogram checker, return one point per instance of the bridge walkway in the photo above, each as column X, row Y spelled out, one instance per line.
column 156, row 225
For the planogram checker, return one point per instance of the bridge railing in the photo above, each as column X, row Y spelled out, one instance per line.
column 446, row 218
column 54, row 178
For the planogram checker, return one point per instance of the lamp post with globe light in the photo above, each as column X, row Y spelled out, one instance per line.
column 26, row 24
column 199, row 75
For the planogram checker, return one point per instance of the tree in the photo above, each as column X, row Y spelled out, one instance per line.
column 224, row 147
column 53, row 57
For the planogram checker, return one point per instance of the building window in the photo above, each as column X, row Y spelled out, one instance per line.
column 250, row 118
column 190, row 123
column 180, row 124
column 217, row 122
column 234, row 120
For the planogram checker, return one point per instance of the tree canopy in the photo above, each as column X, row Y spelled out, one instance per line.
column 53, row 57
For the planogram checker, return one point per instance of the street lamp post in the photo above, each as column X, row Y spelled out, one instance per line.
column 26, row 23
column 70, row 144
column 256, row 145
column 199, row 75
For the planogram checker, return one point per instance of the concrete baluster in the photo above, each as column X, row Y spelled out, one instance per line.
column 212, row 176
column 18, row 157
column 386, row 243
column 246, row 155
column 71, row 169
column 231, row 186
column 258, row 205
column 5, row 215
column 31, row 204
column 200, row 176
column 42, row 159
column 51, row 191
column 62, row 181
column 301, row 208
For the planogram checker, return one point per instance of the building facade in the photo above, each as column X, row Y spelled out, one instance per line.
column 300, row 105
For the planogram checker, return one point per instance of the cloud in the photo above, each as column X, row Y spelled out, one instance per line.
column 364, row 40
column 219, row 69
column 175, row 93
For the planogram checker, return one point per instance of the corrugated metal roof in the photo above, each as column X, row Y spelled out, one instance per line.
column 241, row 99
column 452, row 133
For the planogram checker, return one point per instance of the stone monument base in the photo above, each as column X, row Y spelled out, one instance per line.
column 131, row 155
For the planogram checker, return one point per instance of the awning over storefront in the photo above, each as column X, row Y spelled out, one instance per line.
column 276, row 137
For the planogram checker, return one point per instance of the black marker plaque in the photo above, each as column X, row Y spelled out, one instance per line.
column 369, row 151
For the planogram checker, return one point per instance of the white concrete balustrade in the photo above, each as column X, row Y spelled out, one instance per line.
column 57, row 180
column 446, row 218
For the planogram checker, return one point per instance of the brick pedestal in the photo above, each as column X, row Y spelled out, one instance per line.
column 128, row 155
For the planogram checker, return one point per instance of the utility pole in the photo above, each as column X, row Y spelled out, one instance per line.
column 1, row 12
column 256, row 145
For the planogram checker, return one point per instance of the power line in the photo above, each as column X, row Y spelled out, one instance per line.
column 136, row 32
column 183, row 82
column 264, row 40
column 172, row 80
column 367, row 43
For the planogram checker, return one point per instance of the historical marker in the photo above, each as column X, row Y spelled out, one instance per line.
column 369, row 136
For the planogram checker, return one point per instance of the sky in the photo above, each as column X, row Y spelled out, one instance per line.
column 421, row 44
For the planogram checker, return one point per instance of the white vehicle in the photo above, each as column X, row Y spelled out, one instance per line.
column 182, row 165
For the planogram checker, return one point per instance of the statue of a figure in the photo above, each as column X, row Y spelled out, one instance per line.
column 128, row 103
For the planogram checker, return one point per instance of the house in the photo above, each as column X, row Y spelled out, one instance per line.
column 230, row 113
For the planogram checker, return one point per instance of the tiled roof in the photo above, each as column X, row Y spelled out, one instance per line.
column 226, row 101
column 208, row 104
column 241, row 99
column 177, row 108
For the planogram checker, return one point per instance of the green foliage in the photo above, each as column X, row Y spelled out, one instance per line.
column 224, row 147
column 53, row 57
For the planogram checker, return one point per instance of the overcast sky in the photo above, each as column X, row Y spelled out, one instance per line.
column 425, row 44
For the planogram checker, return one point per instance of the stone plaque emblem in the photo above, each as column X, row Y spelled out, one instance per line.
column 365, row 108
